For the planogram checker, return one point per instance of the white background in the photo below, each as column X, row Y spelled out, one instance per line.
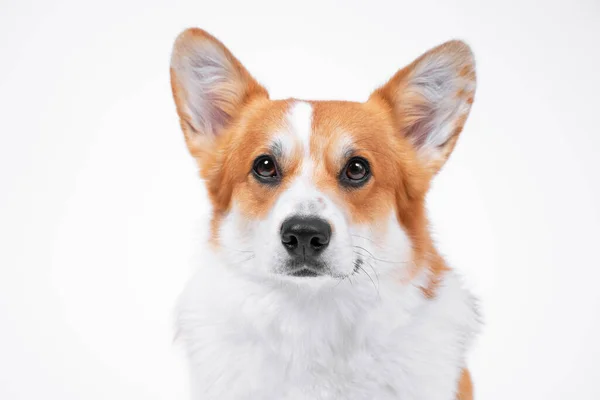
column 100, row 202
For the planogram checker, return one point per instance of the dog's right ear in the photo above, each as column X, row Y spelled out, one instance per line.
column 210, row 87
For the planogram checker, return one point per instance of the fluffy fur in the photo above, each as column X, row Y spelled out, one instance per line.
column 388, row 319
column 251, row 339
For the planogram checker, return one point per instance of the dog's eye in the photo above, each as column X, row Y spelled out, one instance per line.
column 265, row 168
column 356, row 172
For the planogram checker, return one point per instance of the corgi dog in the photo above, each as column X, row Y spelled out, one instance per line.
column 320, row 279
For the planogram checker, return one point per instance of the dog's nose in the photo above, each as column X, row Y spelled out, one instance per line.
column 305, row 237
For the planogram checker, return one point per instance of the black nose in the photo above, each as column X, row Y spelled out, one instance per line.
column 305, row 237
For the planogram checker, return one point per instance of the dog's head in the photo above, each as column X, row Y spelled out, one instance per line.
column 306, row 189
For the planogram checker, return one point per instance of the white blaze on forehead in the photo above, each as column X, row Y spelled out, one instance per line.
column 296, row 134
column 302, row 195
column 299, row 120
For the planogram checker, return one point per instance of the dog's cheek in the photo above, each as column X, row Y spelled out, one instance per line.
column 235, row 238
column 396, row 248
column 340, row 255
column 270, row 251
column 383, row 246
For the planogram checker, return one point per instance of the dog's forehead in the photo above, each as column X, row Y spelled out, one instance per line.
column 311, row 130
column 293, row 138
column 299, row 120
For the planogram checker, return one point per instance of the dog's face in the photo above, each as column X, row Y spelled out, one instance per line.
column 319, row 189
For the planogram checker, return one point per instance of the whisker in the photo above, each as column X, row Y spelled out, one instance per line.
column 375, row 258
column 372, row 281
column 362, row 248
column 374, row 271
column 366, row 238
column 239, row 251
column 244, row 260
column 341, row 280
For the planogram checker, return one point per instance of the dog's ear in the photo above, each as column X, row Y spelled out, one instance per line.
column 430, row 100
column 210, row 87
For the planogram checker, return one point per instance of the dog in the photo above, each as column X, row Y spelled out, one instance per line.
column 320, row 279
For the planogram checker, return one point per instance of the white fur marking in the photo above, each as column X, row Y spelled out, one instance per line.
column 300, row 122
column 256, row 339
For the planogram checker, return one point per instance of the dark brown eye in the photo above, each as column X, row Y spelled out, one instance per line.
column 265, row 168
column 356, row 172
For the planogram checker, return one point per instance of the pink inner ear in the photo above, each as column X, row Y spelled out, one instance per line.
column 208, row 80
column 435, row 99
column 420, row 129
column 217, row 117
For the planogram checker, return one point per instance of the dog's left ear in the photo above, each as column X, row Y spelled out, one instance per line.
column 430, row 100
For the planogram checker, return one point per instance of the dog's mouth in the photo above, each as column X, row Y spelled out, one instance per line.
column 305, row 273
column 306, row 269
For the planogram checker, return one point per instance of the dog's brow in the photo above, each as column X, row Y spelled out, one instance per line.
column 277, row 149
column 348, row 152
column 346, row 148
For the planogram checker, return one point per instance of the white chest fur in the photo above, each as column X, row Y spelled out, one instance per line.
column 251, row 339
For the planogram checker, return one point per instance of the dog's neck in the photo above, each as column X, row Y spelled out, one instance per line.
column 302, row 335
